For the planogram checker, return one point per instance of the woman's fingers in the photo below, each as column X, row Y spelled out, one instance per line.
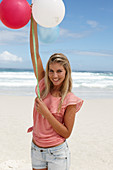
column 38, row 101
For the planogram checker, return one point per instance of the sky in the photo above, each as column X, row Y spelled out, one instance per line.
column 85, row 37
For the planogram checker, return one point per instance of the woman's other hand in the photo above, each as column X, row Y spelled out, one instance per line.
column 41, row 107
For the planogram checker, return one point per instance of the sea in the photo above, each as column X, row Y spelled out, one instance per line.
column 86, row 84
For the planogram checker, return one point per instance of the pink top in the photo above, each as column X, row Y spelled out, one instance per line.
column 43, row 133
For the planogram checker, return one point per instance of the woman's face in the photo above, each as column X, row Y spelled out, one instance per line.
column 56, row 74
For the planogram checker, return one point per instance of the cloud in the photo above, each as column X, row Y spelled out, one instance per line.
column 90, row 53
column 94, row 26
column 92, row 23
column 93, row 53
column 15, row 36
column 6, row 57
column 108, row 10
column 1, row 25
column 98, row 53
column 67, row 33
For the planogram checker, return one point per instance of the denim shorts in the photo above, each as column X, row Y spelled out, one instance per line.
column 53, row 158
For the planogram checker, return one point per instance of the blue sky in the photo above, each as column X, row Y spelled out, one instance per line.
column 86, row 38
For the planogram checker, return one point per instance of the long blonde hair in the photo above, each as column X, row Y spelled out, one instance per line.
column 67, row 83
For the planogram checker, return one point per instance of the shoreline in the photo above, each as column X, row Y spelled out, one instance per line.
column 91, row 141
column 82, row 93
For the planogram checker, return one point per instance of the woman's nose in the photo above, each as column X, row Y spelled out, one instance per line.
column 55, row 74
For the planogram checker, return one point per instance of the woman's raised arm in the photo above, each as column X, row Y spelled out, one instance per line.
column 41, row 72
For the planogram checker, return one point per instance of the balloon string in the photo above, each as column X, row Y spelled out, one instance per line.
column 34, row 45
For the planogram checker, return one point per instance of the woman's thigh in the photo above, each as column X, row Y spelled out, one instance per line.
column 60, row 158
column 38, row 158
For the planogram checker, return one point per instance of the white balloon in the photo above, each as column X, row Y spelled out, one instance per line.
column 48, row 13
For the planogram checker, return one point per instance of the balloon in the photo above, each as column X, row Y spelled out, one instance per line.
column 48, row 35
column 15, row 13
column 48, row 13
column 0, row 11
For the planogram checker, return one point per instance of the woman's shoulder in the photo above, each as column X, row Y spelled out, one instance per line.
column 70, row 95
column 72, row 99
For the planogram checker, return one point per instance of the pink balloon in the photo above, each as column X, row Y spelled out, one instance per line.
column 0, row 11
column 15, row 14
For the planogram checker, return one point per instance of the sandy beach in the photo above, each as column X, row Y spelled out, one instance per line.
column 91, row 142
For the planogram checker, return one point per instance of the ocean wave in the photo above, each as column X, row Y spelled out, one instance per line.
column 80, row 79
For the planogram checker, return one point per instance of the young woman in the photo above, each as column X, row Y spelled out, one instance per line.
column 54, row 113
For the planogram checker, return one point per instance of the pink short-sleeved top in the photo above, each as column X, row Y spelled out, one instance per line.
column 43, row 133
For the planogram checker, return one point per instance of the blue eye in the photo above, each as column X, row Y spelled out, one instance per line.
column 51, row 71
column 59, row 71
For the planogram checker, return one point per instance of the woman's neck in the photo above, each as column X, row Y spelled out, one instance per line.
column 56, row 92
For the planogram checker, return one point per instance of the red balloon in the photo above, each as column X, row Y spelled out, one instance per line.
column 0, row 11
column 15, row 14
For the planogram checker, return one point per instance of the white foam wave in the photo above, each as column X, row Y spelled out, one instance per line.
column 80, row 79
column 93, row 80
column 17, row 79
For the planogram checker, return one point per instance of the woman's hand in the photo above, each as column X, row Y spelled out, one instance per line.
column 31, row 6
column 41, row 107
column 63, row 130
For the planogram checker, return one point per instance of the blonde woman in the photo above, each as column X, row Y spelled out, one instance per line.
column 54, row 113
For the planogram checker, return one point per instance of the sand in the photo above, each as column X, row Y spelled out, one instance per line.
column 91, row 142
